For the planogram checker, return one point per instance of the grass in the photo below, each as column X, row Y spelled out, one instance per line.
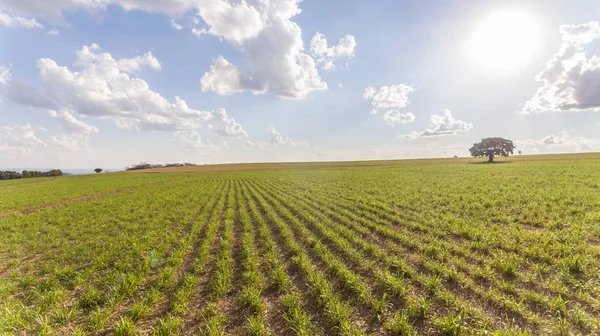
column 407, row 247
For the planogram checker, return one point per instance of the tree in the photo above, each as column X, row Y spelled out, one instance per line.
column 98, row 170
column 491, row 147
column 520, row 152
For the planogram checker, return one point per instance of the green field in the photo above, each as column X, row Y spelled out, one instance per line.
column 433, row 247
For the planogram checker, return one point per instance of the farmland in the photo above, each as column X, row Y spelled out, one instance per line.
column 440, row 247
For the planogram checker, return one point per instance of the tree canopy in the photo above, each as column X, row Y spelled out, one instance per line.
column 9, row 175
column 98, row 170
column 491, row 147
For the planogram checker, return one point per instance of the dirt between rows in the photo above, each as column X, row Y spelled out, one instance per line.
column 80, row 199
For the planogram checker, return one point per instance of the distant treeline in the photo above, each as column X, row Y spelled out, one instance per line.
column 145, row 165
column 11, row 175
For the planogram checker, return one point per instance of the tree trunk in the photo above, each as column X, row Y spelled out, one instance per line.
column 491, row 158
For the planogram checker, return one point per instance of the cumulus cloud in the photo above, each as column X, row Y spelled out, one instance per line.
column 50, row 11
column 71, row 123
column 325, row 55
column 176, row 25
column 53, row 11
column 189, row 138
column 560, row 142
column 101, row 88
column 132, row 65
column 5, row 75
column 278, row 139
column 250, row 144
column 571, row 79
column 441, row 125
column 70, row 142
column 226, row 126
column 222, row 78
column 388, row 97
column 554, row 139
column 192, row 141
column 394, row 117
column 11, row 20
column 199, row 32
column 271, row 44
column 234, row 21
column 263, row 31
column 563, row 138
column 19, row 139
column 28, row 95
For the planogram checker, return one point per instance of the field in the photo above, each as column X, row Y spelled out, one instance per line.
column 433, row 247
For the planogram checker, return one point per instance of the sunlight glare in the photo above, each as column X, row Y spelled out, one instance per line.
column 504, row 41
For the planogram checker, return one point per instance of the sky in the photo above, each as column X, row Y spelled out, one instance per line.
column 111, row 83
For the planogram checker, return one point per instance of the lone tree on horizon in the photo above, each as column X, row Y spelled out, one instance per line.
column 491, row 147
column 98, row 170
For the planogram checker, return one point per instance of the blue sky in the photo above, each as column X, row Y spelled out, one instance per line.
column 93, row 83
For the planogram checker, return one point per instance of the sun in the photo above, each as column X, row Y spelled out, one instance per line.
column 504, row 41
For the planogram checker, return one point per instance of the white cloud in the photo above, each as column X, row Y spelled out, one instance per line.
column 69, row 122
column 199, row 32
column 189, row 138
column 393, row 117
column 192, row 141
column 169, row 7
column 71, row 142
column 132, row 65
column 224, row 125
column 19, row 139
column 53, row 11
column 277, row 139
column 176, row 25
column 256, row 27
column 441, row 125
column 388, row 97
column 43, row 129
column 559, row 142
column 53, row 32
column 272, row 47
column 5, row 75
column 563, row 138
column 11, row 20
column 222, row 78
column 250, row 144
column 559, row 138
column 101, row 89
column 327, row 55
column 234, row 21
column 570, row 80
